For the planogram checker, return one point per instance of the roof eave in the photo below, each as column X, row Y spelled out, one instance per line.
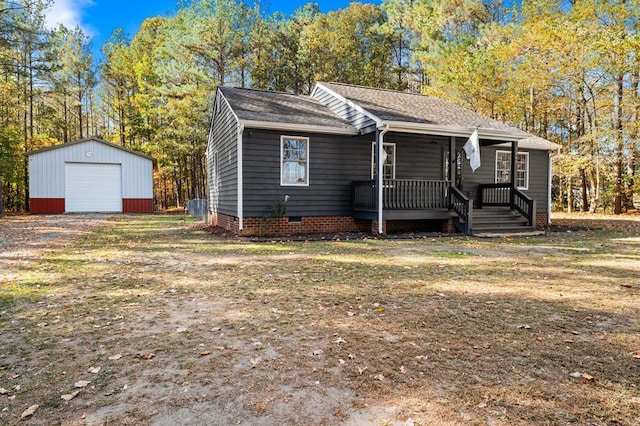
column 271, row 125
column 437, row 129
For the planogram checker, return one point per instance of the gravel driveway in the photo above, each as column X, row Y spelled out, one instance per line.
column 26, row 233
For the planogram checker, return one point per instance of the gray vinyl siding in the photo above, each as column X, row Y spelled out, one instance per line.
column 418, row 157
column 538, row 173
column 223, row 146
column 343, row 110
column 334, row 162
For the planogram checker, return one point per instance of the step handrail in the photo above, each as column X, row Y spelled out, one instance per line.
column 460, row 204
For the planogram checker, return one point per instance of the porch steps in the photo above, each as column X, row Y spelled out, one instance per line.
column 498, row 220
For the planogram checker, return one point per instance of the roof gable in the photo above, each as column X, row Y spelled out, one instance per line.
column 90, row 139
column 411, row 110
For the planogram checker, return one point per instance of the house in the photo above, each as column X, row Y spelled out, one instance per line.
column 314, row 161
column 90, row 175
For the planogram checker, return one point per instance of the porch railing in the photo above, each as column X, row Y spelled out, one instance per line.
column 500, row 194
column 463, row 207
column 401, row 194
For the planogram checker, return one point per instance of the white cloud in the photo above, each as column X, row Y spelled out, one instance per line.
column 69, row 13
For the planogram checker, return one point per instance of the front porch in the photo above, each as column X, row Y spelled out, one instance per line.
column 498, row 207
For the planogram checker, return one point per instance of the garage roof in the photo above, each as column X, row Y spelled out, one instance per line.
column 91, row 139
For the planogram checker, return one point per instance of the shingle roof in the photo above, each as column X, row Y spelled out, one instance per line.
column 277, row 107
column 390, row 105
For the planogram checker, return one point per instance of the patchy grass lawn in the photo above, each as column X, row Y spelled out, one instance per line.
column 171, row 325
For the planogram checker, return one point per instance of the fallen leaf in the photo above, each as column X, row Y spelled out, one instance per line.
column 147, row 356
column 81, row 383
column 95, row 370
column 587, row 376
column 115, row 357
column 380, row 309
column 70, row 396
column 29, row 411
column 205, row 353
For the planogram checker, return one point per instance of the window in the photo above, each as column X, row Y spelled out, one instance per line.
column 389, row 163
column 503, row 168
column 294, row 160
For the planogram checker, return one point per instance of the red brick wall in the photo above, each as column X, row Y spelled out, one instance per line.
column 260, row 226
column 307, row 225
column 542, row 220
column 46, row 205
column 137, row 205
column 227, row 222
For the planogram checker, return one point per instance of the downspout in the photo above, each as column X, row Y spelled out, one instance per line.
column 380, row 146
column 549, row 184
column 240, row 178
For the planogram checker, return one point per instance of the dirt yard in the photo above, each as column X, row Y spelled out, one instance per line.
column 134, row 320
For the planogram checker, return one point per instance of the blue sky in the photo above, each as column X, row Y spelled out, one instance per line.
column 98, row 18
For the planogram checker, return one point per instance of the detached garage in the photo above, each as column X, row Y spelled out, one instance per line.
column 90, row 175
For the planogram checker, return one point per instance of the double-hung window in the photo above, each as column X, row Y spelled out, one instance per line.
column 503, row 168
column 294, row 160
column 388, row 163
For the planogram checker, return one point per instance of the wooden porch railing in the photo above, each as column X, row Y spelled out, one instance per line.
column 501, row 194
column 401, row 194
column 463, row 207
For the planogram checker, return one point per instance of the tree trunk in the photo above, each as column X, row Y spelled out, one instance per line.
column 569, row 195
column 584, row 202
column 1, row 200
column 619, row 147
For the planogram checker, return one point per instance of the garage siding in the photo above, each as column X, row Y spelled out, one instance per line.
column 47, row 173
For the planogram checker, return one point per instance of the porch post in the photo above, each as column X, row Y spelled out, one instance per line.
column 379, row 177
column 452, row 160
column 514, row 155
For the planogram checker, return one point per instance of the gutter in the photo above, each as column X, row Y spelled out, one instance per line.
column 403, row 126
column 270, row 125
column 240, row 178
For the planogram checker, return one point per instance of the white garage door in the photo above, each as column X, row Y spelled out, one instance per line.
column 91, row 187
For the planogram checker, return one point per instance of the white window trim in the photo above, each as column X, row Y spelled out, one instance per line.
column 526, row 176
column 373, row 158
column 282, row 182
